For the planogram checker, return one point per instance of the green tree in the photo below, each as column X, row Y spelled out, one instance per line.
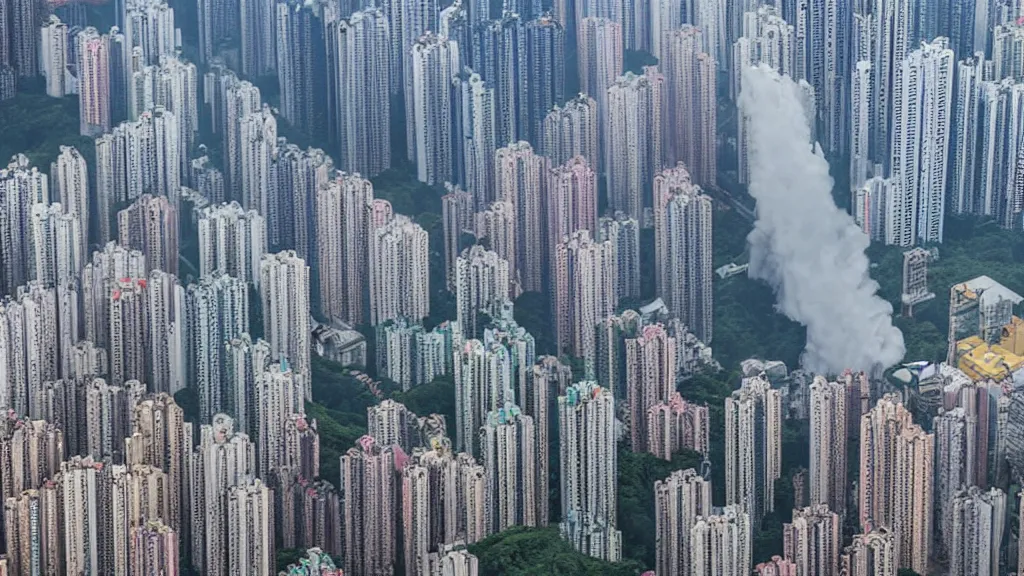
column 522, row 551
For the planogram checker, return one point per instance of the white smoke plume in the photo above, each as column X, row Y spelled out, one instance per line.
column 808, row 250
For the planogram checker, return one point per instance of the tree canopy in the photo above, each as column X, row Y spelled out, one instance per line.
column 522, row 551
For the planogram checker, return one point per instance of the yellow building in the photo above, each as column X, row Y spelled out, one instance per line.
column 981, row 361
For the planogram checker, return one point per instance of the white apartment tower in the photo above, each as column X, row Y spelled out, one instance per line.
column 507, row 446
column 435, row 61
column 481, row 286
column 721, row 543
column 53, row 56
column 585, row 293
column 362, row 45
column 399, row 275
column 224, row 458
column 232, row 241
column 521, row 179
column 679, row 501
column 343, row 234
column 682, row 249
column 217, row 312
column 633, row 137
column 70, row 178
column 690, row 75
column 827, row 470
column 284, row 293
column 753, row 444
column 586, row 417
column 922, row 107
column 571, row 130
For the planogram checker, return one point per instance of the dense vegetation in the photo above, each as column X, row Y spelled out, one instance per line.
column 37, row 126
column 531, row 551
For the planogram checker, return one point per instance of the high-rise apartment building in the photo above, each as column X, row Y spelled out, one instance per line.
column 682, row 249
column 28, row 330
column 482, row 287
column 306, row 511
column 586, row 420
column 458, row 211
column 571, row 130
column 55, row 240
column 474, row 134
column 34, row 525
column 360, row 47
column 217, row 312
column 679, row 500
column 650, row 378
column 69, row 176
column 871, row 554
column 862, row 163
column 343, row 236
column 545, row 66
column 108, row 265
column 500, row 56
column 129, row 330
column 258, row 143
column 600, row 44
column 31, row 452
column 167, row 333
column 571, row 201
column 250, row 522
column 633, row 139
column 284, row 293
column 584, row 293
column 978, row 523
column 813, row 539
column 411, row 356
column 497, row 223
column 279, row 396
column 823, row 58
column 988, row 162
column 85, row 492
column 676, row 424
column 720, row 543
column 162, row 439
column 139, row 158
column 870, row 206
column 300, row 62
column 224, row 458
column 483, row 383
column 232, row 241
column 550, row 378
column 399, row 279
column 149, row 25
column 435, row 60
column 753, row 447
column 150, row 225
column 624, row 234
column 827, row 467
column 21, row 186
column 521, row 179
column 369, row 508
column 767, row 40
column 390, row 423
column 93, row 60
column 412, row 25
column 154, row 548
column 690, row 77
column 291, row 215
column 257, row 36
column 53, row 56
column 507, row 446
column 896, row 479
column 445, row 502
column 954, row 454
column 244, row 361
column 922, row 107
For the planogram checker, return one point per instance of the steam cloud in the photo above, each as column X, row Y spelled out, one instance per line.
column 808, row 250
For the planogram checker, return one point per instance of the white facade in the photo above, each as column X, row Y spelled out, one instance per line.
column 720, row 544
column 753, row 448
column 399, row 274
column 284, row 292
column 53, row 57
column 435, row 60
column 922, row 105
